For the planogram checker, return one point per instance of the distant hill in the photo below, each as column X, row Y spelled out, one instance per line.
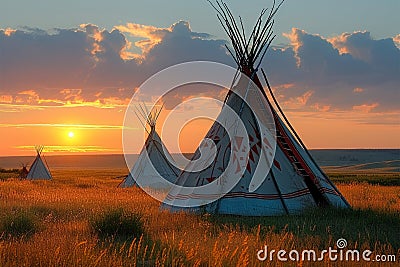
column 343, row 157
column 358, row 160
column 382, row 167
column 383, row 160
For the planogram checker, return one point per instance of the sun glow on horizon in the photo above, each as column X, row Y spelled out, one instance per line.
column 71, row 135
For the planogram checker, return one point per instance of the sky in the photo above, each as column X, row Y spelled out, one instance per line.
column 68, row 69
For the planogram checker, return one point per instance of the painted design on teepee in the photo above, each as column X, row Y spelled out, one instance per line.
column 39, row 169
column 154, row 160
column 280, row 176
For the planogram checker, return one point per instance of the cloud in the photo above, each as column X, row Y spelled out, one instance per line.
column 348, row 70
column 194, row 90
column 396, row 40
column 71, row 149
column 180, row 45
column 103, row 68
column 360, row 45
column 33, row 58
column 90, row 64
column 358, row 90
column 48, row 62
column 365, row 107
column 152, row 35
column 58, row 125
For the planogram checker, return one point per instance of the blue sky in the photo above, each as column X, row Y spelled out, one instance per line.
column 325, row 17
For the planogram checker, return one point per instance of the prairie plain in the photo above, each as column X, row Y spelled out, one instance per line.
column 64, row 222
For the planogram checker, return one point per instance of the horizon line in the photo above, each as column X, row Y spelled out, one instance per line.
column 47, row 154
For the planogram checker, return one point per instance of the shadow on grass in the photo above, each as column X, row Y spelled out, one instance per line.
column 364, row 226
column 18, row 224
column 122, row 232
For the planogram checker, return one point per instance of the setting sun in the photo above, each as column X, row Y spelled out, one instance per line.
column 71, row 134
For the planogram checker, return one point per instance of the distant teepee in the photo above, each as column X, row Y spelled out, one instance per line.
column 24, row 171
column 38, row 169
column 285, row 182
column 154, row 159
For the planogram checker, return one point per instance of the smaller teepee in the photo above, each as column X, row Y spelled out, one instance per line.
column 39, row 169
column 24, row 171
column 154, row 159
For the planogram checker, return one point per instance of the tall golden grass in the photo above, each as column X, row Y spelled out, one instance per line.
column 64, row 238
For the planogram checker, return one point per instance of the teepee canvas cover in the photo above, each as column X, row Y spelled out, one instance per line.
column 293, row 182
column 38, row 169
column 154, row 160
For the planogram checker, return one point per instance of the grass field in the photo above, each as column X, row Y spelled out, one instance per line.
column 64, row 222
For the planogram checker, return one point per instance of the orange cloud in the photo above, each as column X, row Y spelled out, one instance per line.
column 12, row 108
column 346, row 44
column 358, row 90
column 365, row 107
column 295, row 42
column 29, row 93
column 59, row 125
column 27, row 96
column 304, row 98
column 322, row 108
column 67, row 97
column 71, row 149
column 298, row 102
column 284, row 86
column 114, row 101
column 72, row 94
column 9, row 31
column 125, row 54
column 339, row 41
column 396, row 40
column 152, row 34
column 6, row 99
column 21, row 105
column 93, row 32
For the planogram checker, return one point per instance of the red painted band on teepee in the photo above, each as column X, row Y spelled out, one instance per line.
column 293, row 194
column 279, row 127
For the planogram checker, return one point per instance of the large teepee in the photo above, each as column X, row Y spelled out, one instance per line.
column 39, row 169
column 154, row 159
column 285, row 182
